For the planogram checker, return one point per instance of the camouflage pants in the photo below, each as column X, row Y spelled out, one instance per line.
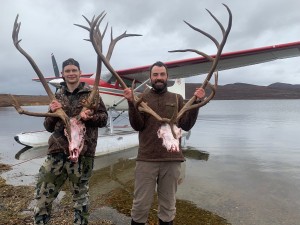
column 52, row 175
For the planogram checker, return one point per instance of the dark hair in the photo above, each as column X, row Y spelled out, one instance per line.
column 70, row 61
column 159, row 64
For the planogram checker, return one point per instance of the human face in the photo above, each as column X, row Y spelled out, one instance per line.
column 71, row 74
column 159, row 77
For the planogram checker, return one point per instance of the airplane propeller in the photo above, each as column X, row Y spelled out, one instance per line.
column 55, row 67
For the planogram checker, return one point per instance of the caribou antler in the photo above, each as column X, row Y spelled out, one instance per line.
column 58, row 113
column 215, row 60
column 141, row 105
column 96, row 38
column 94, row 96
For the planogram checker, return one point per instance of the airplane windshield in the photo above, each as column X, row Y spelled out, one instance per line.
column 108, row 77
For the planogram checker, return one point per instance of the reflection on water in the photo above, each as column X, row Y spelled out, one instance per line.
column 29, row 153
column 193, row 153
column 116, row 182
column 253, row 174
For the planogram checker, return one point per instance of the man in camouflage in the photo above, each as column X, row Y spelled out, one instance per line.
column 57, row 167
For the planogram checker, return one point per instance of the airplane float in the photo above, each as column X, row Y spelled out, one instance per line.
column 111, row 88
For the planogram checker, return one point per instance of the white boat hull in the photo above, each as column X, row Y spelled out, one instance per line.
column 119, row 140
column 33, row 139
column 36, row 142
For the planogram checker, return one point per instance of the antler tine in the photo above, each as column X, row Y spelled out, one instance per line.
column 208, row 57
column 15, row 36
column 20, row 110
column 218, row 22
column 95, row 37
column 220, row 48
column 187, row 107
column 203, row 32
column 100, row 54
column 59, row 113
column 89, row 22
column 219, row 45
column 215, row 60
column 113, row 42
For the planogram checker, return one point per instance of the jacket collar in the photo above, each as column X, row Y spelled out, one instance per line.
column 82, row 87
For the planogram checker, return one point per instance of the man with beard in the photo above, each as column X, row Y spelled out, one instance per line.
column 155, row 166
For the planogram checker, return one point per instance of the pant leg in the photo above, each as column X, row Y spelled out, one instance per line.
column 145, row 182
column 52, row 176
column 79, row 176
column 166, row 190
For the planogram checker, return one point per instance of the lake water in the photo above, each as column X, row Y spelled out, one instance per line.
column 251, row 171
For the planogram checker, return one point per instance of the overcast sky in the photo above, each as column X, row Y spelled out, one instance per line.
column 47, row 27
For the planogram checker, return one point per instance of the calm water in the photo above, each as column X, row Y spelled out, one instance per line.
column 251, row 171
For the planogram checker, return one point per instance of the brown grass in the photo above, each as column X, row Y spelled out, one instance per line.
column 111, row 187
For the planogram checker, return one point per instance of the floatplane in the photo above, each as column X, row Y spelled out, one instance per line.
column 111, row 85
column 119, row 138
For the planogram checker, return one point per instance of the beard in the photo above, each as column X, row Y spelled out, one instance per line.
column 159, row 85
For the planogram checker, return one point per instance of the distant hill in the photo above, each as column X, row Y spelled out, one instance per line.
column 238, row 91
column 5, row 100
column 234, row 91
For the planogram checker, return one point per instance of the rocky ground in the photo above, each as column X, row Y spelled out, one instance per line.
column 111, row 193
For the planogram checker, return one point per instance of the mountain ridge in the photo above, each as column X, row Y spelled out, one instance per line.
column 239, row 91
column 235, row 91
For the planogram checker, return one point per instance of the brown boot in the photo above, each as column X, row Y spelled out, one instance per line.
column 135, row 223
column 165, row 223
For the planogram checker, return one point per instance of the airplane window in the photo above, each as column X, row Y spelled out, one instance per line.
column 109, row 78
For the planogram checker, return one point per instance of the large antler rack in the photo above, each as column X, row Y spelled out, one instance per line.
column 58, row 113
column 215, row 60
column 94, row 96
column 96, row 38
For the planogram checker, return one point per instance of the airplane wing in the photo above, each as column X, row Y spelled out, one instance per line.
column 200, row 65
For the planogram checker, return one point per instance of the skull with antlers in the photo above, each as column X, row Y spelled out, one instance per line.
column 74, row 128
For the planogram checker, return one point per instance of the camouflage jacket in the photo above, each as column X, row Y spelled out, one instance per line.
column 72, row 104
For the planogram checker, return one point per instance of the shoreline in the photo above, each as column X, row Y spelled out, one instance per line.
column 24, row 100
column 235, row 91
column 111, row 191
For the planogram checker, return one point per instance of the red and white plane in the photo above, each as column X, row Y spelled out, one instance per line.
column 112, row 92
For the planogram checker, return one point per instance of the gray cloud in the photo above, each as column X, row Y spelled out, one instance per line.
column 47, row 27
